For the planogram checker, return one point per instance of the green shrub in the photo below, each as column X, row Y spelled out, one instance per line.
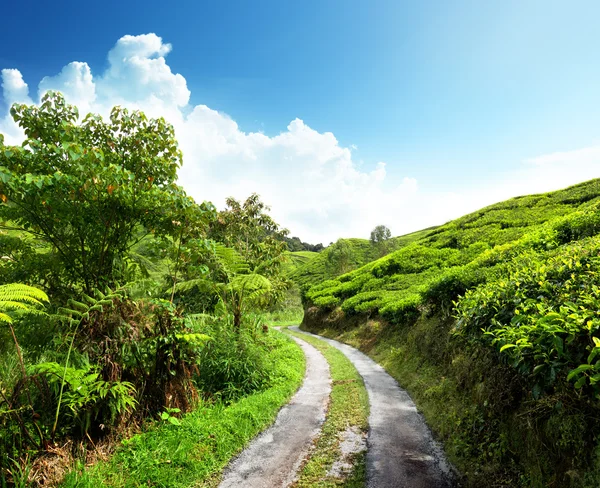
column 232, row 364
column 542, row 314
column 87, row 399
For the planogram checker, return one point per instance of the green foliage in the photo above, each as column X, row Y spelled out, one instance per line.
column 323, row 266
column 380, row 234
column 233, row 364
column 86, row 396
column 195, row 451
column 294, row 244
column 20, row 298
column 380, row 237
column 339, row 256
column 491, row 322
column 90, row 212
column 433, row 268
column 541, row 314
column 359, row 252
column 238, row 289
column 86, row 188
column 251, row 231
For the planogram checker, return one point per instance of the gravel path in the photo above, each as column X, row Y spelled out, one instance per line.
column 273, row 458
column 401, row 450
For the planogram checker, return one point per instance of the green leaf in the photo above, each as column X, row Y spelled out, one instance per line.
column 579, row 369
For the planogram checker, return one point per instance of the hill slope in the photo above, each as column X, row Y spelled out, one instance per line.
column 460, row 254
column 492, row 322
column 346, row 255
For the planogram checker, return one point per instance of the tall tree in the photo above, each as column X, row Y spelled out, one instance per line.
column 380, row 237
column 249, row 229
column 339, row 257
column 92, row 189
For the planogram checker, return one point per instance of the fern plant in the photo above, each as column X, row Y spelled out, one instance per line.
column 240, row 289
column 16, row 297
column 84, row 394
column 76, row 315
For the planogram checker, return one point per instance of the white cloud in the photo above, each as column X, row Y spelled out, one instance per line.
column 14, row 87
column 313, row 184
column 587, row 155
column 14, row 90
column 138, row 72
column 75, row 82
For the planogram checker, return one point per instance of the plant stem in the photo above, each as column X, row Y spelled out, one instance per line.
column 62, row 383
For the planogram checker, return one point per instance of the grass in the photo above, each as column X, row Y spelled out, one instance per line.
column 195, row 452
column 348, row 409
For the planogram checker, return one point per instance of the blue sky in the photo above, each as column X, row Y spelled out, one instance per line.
column 454, row 96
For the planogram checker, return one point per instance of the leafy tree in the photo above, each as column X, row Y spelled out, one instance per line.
column 239, row 289
column 251, row 231
column 248, row 228
column 295, row 244
column 339, row 257
column 380, row 237
column 89, row 188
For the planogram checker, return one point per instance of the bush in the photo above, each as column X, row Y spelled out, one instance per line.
column 541, row 315
column 232, row 364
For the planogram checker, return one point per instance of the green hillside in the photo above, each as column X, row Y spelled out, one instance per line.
column 345, row 255
column 444, row 262
column 492, row 323
column 296, row 259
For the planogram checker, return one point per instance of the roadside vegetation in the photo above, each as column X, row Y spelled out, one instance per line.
column 128, row 311
column 193, row 450
column 491, row 322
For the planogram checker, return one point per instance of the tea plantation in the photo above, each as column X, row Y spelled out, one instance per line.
column 492, row 322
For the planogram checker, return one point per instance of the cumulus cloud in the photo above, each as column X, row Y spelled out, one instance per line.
column 14, row 90
column 138, row 72
column 314, row 185
column 75, row 82
column 14, row 87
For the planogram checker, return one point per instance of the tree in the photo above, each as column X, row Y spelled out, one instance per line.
column 380, row 237
column 339, row 257
column 238, row 289
column 251, row 231
column 91, row 190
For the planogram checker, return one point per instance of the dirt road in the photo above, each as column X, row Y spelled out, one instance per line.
column 273, row 458
column 401, row 450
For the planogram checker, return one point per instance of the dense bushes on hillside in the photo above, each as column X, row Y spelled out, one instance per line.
column 343, row 256
column 448, row 261
column 519, row 284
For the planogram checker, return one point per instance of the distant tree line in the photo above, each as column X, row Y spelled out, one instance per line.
column 295, row 244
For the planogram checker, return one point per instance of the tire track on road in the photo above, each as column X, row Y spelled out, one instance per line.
column 401, row 450
column 273, row 458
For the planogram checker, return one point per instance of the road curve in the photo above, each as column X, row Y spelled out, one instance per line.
column 401, row 450
column 273, row 457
